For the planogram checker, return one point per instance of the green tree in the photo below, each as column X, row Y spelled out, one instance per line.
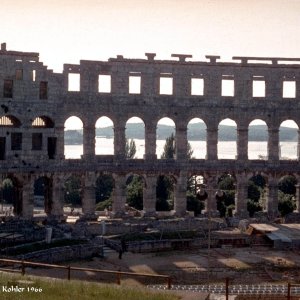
column 225, row 203
column 134, row 193
column 169, row 148
column 253, row 191
column 286, row 203
column 104, row 187
column 287, row 185
column 73, row 191
column 253, row 207
column 130, row 149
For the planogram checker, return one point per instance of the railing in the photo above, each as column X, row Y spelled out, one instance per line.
column 68, row 268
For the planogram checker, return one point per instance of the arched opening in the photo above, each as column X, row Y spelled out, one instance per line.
column 226, row 197
column 134, row 193
column 10, row 140
column 73, row 196
column 104, row 187
column 258, row 140
column 11, row 197
column 227, row 136
column 286, row 194
column 43, row 122
column 42, row 199
column 135, row 138
column 73, row 138
column 257, row 194
column 165, row 193
column 195, row 198
column 104, row 136
column 165, row 139
column 196, row 135
column 288, row 140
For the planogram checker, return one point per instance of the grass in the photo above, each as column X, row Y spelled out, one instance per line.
column 73, row 290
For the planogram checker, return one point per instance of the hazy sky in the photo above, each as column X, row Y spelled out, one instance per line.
column 65, row 31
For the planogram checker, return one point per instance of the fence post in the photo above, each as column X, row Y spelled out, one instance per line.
column 69, row 272
column 22, row 268
column 169, row 282
column 118, row 278
column 289, row 292
column 227, row 288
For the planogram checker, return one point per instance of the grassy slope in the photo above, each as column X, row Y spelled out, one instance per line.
column 63, row 289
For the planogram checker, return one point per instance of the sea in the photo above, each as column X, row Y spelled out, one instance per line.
column 226, row 149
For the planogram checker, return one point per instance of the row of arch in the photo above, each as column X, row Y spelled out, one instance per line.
column 256, row 192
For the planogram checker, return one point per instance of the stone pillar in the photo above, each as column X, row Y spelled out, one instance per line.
column 242, row 143
column 181, row 143
column 60, row 143
column 149, row 196
column 241, row 197
column 57, row 211
column 89, row 196
column 89, row 141
column 150, row 142
column 212, row 143
column 297, row 198
column 272, row 199
column 27, row 142
column 273, row 145
column 119, row 195
column 119, row 142
column 211, row 201
column 180, row 195
column 27, row 198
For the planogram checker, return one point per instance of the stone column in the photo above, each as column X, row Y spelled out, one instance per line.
column 211, row 201
column 27, row 198
column 212, row 143
column 180, row 195
column 273, row 145
column 27, row 142
column 119, row 142
column 272, row 199
column 89, row 132
column 241, row 197
column 57, row 210
column 60, row 143
column 242, row 143
column 297, row 198
column 119, row 195
column 150, row 142
column 149, row 196
column 181, row 143
column 89, row 196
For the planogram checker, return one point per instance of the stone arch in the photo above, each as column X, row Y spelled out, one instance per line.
column 42, row 197
column 73, row 138
column 165, row 192
column 43, row 121
column 135, row 185
column 258, row 140
column 288, row 140
column 227, row 139
column 165, row 129
column 11, row 195
column 104, row 136
column 196, row 136
column 135, row 131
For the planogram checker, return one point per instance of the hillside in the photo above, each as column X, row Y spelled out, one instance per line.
column 196, row 132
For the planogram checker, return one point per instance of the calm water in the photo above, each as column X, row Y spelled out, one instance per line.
column 226, row 150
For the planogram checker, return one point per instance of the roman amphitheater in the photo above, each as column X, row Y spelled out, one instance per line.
column 36, row 102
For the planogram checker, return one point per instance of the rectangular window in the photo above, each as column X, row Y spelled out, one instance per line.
column 16, row 141
column 197, row 86
column 166, row 85
column 73, row 82
column 134, row 84
column 37, row 141
column 104, row 83
column 43, row 90
column 19, row 74
column 258, row 87
column 8, row 88
column 289, row 89
column 228, row 87
column 33, row 75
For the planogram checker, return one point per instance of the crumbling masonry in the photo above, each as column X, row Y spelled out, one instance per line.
column 35, row 103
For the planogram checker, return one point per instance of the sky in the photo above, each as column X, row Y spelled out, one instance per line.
column 65, row 31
